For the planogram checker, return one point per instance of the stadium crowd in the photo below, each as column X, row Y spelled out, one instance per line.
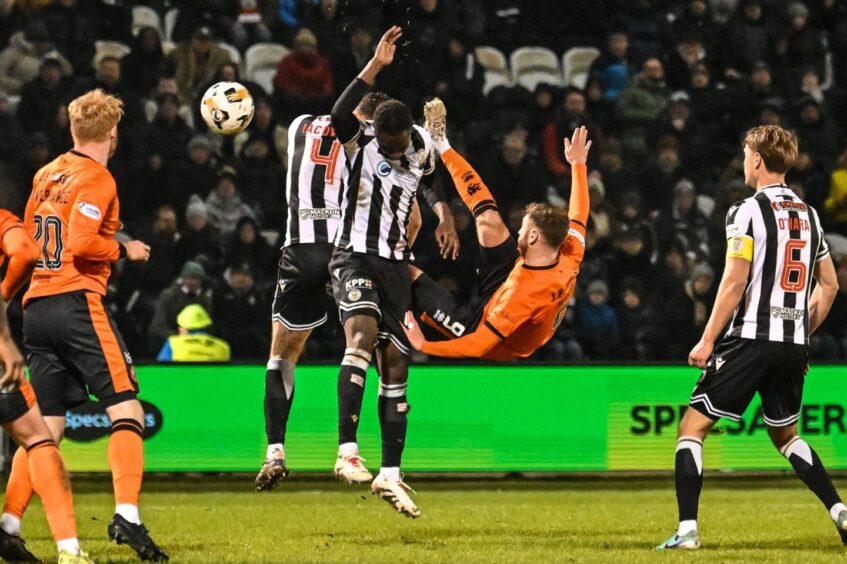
column 667, row 102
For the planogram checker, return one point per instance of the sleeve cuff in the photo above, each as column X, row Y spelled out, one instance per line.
column 121, row 251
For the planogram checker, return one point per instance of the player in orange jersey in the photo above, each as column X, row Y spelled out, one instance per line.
column 74, row 346
column 21, row 418
column 524, row 285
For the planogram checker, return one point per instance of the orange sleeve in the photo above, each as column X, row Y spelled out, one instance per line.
column 23, row 254
column 93, row 201
column 574, row 245
column 473, row 345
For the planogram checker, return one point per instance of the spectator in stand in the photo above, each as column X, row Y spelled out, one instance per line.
column 168, row 85
column 196, row 174
column 838, row 46
column 512, row 174
column 42, row 97
column 196, row 61
column 194, row 343
column 303, row 81
column 163, row 147
column 265, row 125
column 601, row 109
column 640, row 105
column 639, row 339
column 21, row 60
column 347, row 63
column 72, row 34
column 701, row 295
column 611, row 68
column 217, row 15
column 597, row 322
column 649, row 31
column 199, row 240
column 836, row 202
column 683, row 222
column 12, row 19
column 697, row 20
column 111, row 20
column 146, row 63
column 461, row 82
column 261, row 179
column 330, row 29
column 249, row 247
column 13, row 133
column 189, row 288
column 800, row 46
column 689, row 53
column 242, row 314
column 224, row 204
column 149, row 278
column 110, row 79
column 570, row 115
column 659, row 175
column 834, row 327
column 747, row 37
column 250, row 26
column 632, row 256
column 818, row 134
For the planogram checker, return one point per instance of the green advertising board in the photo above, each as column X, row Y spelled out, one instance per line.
column 462, row 419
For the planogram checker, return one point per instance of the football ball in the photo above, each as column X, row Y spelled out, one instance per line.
column 227, row 108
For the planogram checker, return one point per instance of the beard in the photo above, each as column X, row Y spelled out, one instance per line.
column 522, row 246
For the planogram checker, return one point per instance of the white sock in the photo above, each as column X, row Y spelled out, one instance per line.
column 686, row 527
column 392, row 474
column 10, row 524
column 442, row 145
column 128, row 512
column 833, row 511
column 348, row 449
column 68, row 545
column 273, row 448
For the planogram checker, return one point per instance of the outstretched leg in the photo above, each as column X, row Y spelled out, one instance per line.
column 490, row 228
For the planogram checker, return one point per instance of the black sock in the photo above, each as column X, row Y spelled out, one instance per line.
column 689, row 476
column 811, row 470
column 351, row 390
column 393, row 410
column 279, row 395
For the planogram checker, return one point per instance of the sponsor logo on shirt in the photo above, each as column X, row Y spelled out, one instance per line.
column 90, row 211
column 317, row 214
column 787, row 313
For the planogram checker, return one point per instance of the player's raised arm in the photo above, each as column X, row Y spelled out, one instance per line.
column 23, row 254
column 344, row 121
column 576, row 153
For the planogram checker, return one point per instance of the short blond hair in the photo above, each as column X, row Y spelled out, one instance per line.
column 93, row 115
column 777, row 146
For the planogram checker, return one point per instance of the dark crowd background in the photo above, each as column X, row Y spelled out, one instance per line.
column 667, row 102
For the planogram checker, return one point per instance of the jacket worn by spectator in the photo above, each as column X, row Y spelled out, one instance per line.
column 196, row 62
column 19, row 62
column 171, row 301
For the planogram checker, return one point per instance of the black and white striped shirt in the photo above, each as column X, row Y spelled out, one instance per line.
column 313, row 184
column 787, row 243
column 379, row 193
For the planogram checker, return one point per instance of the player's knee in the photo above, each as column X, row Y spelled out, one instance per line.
column 288, row 344
column 414, row 272
column 781, row 436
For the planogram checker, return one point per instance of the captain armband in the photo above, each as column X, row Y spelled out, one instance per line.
column 740, row 246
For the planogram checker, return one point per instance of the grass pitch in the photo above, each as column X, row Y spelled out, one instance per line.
column 213, row 519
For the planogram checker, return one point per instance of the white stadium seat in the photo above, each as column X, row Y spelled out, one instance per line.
column 576, row 63
column 234, row 55
column 108, row 49
column 260, row 62
column 533, row 65
column 496, row 67
column 144, row 16
column 170, row 22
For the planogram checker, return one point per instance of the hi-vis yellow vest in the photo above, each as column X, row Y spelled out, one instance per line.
column 199, row 348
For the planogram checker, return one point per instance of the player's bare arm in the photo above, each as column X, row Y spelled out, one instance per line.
column 383, row 56
column 823, row 294
column 13, row 361
column 415, row 222
column 730, row 292
column 445, row 233
column 23, row 253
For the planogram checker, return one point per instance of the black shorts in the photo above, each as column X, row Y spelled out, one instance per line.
column 74, row 349
column 738, row 368
column 440, row 309
column 371, row 285
column 299, row 300
column 15, row 401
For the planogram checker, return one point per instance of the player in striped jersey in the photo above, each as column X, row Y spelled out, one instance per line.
column 316, row 166
column 780, row 283
column 387, row 161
